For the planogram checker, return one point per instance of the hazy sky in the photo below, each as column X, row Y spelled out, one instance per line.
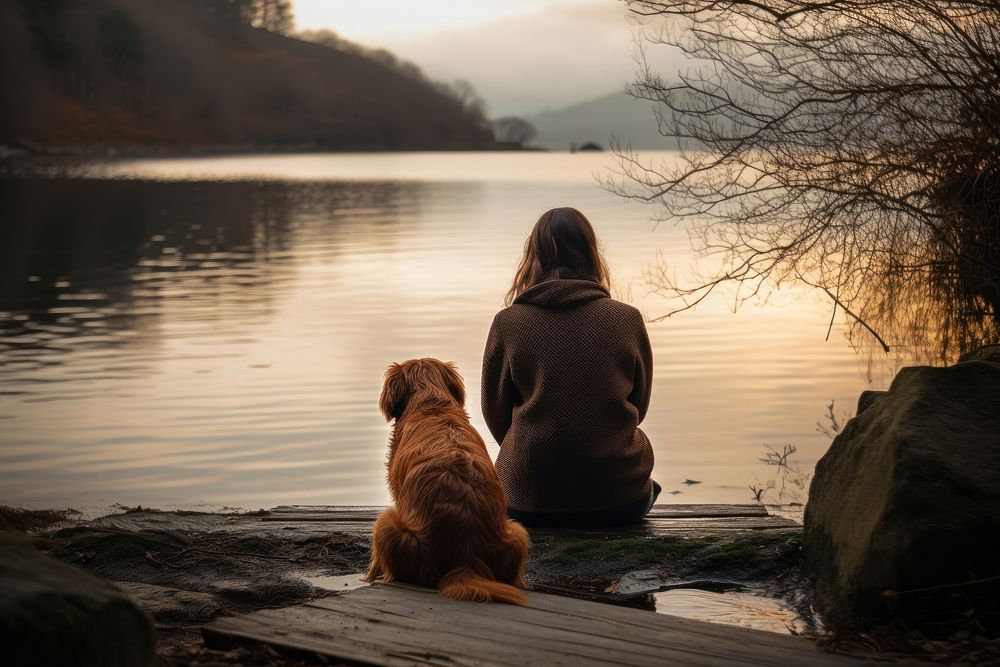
column 521, row 55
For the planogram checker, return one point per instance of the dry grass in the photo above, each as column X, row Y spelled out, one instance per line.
column 25, row 520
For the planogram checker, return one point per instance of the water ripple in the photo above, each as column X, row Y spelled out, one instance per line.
column 224, row 342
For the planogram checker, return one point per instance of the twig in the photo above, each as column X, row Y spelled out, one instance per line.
column 972, row 582
column 885, row 346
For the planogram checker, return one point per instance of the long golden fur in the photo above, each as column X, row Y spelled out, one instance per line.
column 449, row 527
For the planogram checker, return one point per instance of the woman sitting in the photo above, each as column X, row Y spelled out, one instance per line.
column 567, row 374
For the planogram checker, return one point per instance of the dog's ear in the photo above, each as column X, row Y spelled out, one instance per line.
column 395, row 391
column 453, row 380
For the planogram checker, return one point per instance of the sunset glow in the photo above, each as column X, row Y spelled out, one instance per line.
column 371, row 20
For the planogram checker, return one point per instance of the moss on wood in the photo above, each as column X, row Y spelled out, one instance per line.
column 637, row 549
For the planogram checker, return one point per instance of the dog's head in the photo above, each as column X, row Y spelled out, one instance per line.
column 420, row 381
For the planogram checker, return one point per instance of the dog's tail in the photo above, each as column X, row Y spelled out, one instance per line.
column 464, row 584
column 397, row 550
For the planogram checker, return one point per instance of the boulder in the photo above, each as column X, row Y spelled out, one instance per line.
column 908, row 495
column 986, row 353
column 55, row 614
column 867, row 399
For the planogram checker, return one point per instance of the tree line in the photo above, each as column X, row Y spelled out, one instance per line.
column 93, row 73
column 126, row 55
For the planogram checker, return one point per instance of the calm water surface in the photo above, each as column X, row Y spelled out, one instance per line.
column 213, row 332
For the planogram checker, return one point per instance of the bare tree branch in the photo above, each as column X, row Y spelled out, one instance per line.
column 850, row 145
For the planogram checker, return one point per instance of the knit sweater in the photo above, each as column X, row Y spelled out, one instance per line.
column 567, row 374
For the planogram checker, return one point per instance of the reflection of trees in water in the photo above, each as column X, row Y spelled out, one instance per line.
column 84, row 260
column 851, row 146
column 63, row 238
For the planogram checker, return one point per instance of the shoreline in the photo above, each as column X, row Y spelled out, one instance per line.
column 186, row 568
column 17, row 151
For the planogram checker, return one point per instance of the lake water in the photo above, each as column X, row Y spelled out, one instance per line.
column 213, row 332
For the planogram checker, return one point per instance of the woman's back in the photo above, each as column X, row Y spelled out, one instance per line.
column 566, row 380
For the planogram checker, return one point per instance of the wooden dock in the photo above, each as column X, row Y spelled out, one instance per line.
column 400, row 625
column 397, row 625
column 662, row 520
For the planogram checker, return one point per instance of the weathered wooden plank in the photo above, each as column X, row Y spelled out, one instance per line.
column 613, row 637
column 680, row 511
column 359, row 513
column 396, row 625
column 655, row 527
column 652, row 528
column 649, row 528
column 663, row 528
column 479, row 622
column 381, row 640
column 485, row 634
column 663, row 521
column 403, row 598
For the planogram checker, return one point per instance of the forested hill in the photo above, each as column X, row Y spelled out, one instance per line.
column 152, row 74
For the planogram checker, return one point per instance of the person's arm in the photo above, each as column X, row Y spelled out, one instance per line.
column 642, row 381
column 498, row 391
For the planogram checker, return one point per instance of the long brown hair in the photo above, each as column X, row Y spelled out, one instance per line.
column 561, row 245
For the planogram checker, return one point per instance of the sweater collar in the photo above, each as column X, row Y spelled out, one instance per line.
column 561, row 293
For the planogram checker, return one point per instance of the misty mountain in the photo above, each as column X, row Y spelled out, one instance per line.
column 628, row 120
column 145, row 74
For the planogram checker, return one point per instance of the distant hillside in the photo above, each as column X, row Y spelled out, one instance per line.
column 629, row 120
column 150, row 74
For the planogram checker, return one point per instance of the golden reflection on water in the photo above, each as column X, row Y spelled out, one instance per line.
column 214, row 331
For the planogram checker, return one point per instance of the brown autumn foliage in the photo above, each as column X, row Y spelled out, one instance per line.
column 147, row 74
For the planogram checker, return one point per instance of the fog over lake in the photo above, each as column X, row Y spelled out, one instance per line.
column 213, row 332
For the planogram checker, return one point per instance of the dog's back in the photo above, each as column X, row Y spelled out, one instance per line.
column 449, row 527
column 467, row 530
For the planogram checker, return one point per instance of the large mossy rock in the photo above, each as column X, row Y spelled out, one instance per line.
column 987, row 353
column 908, row 496
column 55, row 614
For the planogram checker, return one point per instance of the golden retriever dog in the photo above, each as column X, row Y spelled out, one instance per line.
column 449, row 527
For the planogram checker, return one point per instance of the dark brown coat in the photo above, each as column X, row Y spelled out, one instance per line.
column 567, row 373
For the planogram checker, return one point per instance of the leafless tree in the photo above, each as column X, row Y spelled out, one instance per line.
column 466, row 96
column 515, row 130
column 272, row 15
column 850, row 145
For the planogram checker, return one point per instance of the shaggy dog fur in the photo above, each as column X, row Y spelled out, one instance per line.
column 449, row 527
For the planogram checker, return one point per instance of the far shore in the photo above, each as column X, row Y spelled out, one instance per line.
column 18, row 150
